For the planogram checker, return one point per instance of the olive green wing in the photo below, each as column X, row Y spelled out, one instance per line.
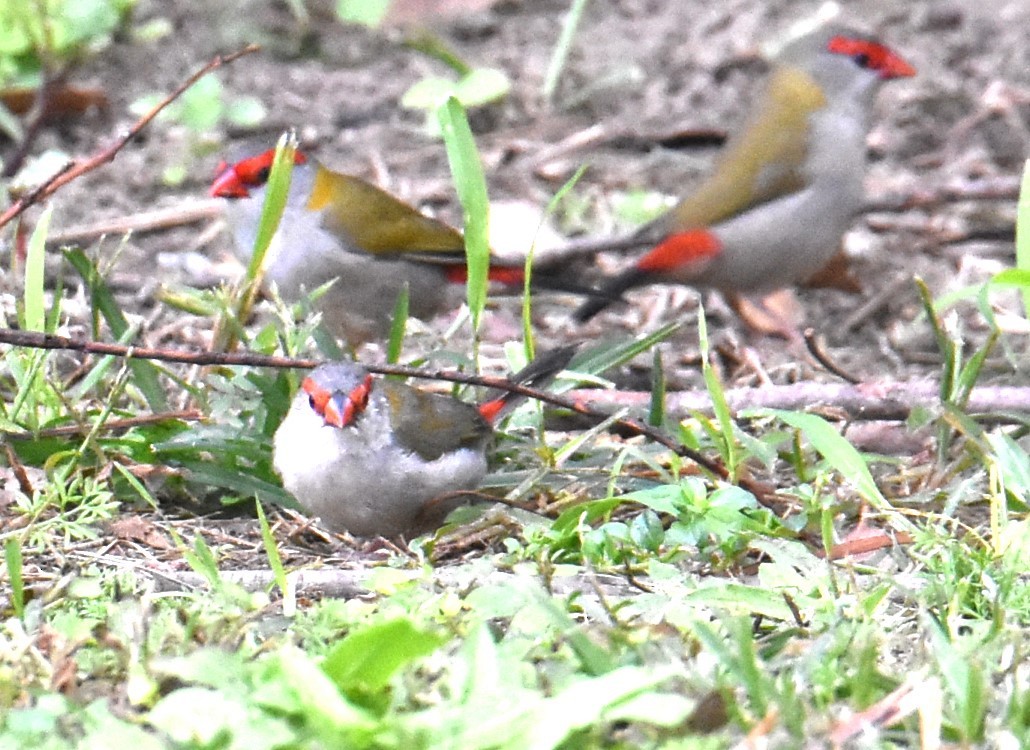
column 376, row 221
column 431, row 424
column 765, row 161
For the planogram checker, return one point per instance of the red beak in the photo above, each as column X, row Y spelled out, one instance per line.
column 894, row 66
column 228, row 184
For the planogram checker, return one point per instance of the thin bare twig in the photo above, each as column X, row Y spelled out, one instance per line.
column 78, row 168
column 877, row 302
column 32, row 339
column 345, row 583
column 111, row 425
column 815, row 348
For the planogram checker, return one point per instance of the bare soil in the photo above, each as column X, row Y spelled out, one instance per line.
column 641, row 72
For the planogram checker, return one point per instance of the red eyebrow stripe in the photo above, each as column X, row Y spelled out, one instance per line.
column 881, row 57
column 319, row 396
column 234, row 180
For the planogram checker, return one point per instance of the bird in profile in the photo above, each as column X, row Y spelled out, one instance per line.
column 788, row 185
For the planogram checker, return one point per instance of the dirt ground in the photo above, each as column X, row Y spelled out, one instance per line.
column 641, row 73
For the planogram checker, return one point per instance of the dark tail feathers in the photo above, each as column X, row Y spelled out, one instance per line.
column 538, row 373
column 609, row 293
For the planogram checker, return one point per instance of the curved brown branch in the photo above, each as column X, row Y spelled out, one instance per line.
column 35, row 340
column 78, row 168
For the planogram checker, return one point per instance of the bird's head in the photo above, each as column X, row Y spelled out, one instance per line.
column 237, row 180
column 845, row 61
column 338, row 392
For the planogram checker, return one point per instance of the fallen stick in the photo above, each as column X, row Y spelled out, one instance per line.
column 148, row 221
column 883, row 401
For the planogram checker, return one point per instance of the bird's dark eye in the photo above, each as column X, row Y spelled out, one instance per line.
column 862, row 60
column 262, row 175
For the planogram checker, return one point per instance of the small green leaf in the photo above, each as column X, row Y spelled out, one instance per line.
column 1013, row 465
column 837, row 451
column 200, row 107
column 482, row 86
column 246, row 112
column 428, row 93
column 635, row 207
column 368, row 657
column 199, row 717
column 366, row 12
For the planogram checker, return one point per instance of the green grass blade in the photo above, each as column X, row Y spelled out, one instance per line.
column 237, row 480
column 275, row 561
column 970, row 373
column 397, row 326
column 607, row 354
column 837, row 451
column 656, row 412
column 271, row 215
column 470, row 183
column 13, row 559
column 561, row 49
column 432, row 46
column 35, row 309
column 144, row 373
column 527, row 297
column 1023, row 231
column 201, row 559
column 947, row 348
column 718, row 396
column 275, row 202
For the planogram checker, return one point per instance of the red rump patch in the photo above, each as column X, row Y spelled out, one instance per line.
column 871, row 55
column 489, row 410
column 679, row 250
column 459, row 274
column 338, row 409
